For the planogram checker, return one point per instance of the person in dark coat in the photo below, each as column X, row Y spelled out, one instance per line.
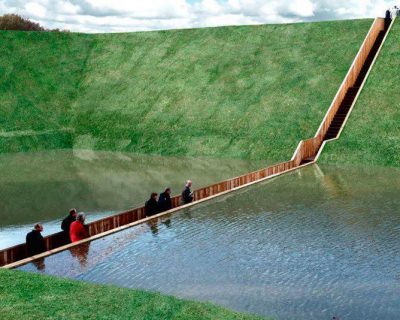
column 151, row 206
column 34, row 241
column 66, row 224
column 388, row 19
column 187, row 194
column 164, row 200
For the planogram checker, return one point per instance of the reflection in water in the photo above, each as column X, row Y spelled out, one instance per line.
column 39, row 264
column 153, row 224
column 44, row 186
column 167, row 222
column 333, row 183
column 314, row 244
column 81, row 253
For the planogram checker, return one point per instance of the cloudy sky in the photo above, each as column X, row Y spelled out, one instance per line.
column 135, row 15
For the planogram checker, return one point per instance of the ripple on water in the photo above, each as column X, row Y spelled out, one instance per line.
column 314, row 244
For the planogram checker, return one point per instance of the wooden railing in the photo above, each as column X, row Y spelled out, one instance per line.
column 306, row 149
column 309, row 148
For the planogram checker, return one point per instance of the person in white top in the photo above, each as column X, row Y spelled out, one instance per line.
column 395, row 11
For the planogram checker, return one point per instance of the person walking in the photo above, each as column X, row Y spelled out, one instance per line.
column 34, row 241
column 388, row 18
column 77, row 229
column 151, row 206
column 187, row 194
column 164, row 200
column 66, row 224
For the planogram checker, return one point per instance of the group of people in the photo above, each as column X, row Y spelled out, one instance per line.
column 164, row 202
column 74, row 228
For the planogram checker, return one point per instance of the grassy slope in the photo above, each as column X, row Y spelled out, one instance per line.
column 32, row 296
column 372, row 134
column 40, row 76
column 244, row 92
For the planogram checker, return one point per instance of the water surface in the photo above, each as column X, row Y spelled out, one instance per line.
column 43, row 186
column 316, row 243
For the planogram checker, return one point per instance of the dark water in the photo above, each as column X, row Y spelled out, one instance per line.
column 42, row 187
column 317, row 243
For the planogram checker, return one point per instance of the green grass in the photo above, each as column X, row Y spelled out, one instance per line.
column 231, row 92
column 372, row 134
column 32, row 296
column 40, row 75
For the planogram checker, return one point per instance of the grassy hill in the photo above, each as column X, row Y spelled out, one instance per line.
column 241, row 92
column 31, row 296
column 372, row 134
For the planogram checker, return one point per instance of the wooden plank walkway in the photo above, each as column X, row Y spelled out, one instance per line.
column 306, row 153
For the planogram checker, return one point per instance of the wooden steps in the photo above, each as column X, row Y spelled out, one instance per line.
column 348, row 100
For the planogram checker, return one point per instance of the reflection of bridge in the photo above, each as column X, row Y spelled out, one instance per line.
column 306, row 153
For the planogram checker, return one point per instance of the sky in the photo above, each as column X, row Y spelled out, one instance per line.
column 142, row 15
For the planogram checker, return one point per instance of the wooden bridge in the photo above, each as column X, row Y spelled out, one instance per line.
column 306, row 153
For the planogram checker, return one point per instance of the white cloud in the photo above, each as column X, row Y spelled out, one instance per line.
column 134, row 15
column 226, row 20
column 35, row 9
column 67, row 8
column 210, row 7
column 161, row 9
column 301, row 8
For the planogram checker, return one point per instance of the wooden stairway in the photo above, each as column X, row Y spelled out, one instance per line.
column 347, row 102
column 341, row 114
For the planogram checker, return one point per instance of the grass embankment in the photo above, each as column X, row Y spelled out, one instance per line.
column 40, row 76
column 33, row 296
column 372, row 133
column 241, row 92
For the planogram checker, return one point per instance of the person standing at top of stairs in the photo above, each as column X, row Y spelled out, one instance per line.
column 390, row 14
column 388, row 18
column 395, row 11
